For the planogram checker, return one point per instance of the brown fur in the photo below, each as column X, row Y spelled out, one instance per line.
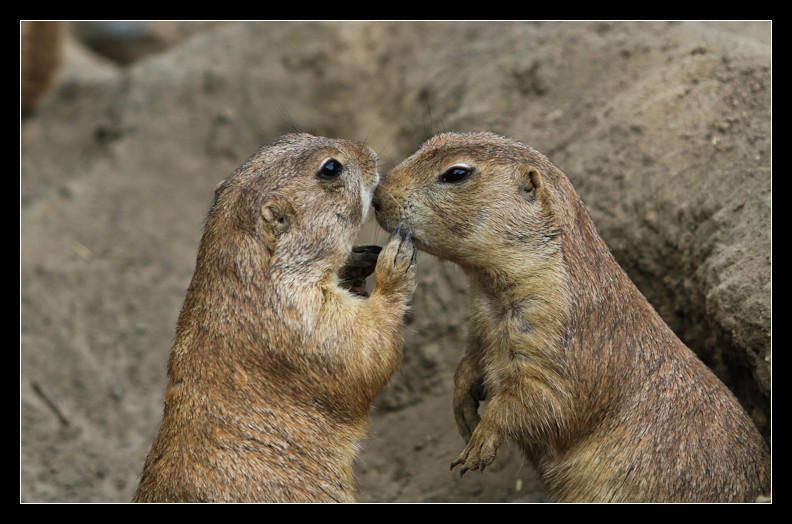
column 581, row 372
column 274, row 366
column 41, row 45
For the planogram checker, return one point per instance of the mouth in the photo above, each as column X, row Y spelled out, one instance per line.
column 388, row 221
column 360, row 264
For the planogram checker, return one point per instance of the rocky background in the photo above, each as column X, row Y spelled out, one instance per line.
column 664, row 128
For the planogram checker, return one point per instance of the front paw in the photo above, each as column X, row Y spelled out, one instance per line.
column 468, row 394
column 480, row 450
column 396, row 265
column 360, row 264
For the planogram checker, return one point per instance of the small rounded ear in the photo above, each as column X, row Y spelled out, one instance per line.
column 278, row 215
column 529, row 182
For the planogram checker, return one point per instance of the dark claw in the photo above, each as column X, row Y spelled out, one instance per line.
column 396, row 233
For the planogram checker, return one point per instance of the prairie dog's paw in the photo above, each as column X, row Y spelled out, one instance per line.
column 360, row 264
column 480, row 450
column 396, row 264
column 468, row 394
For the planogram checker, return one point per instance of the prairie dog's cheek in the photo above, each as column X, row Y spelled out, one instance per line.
column 366, row 197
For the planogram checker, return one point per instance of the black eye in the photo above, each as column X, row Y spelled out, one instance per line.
column 455, row 174
column 331, row 168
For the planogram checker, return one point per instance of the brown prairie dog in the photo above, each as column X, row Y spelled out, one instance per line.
column 581, row 372
column 275, row 364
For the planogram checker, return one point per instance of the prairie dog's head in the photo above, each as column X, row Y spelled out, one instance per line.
column 470, row 198
column 299, row 200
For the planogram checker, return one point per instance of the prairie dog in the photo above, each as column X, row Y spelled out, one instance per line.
column 580, row 371
column 275, row 364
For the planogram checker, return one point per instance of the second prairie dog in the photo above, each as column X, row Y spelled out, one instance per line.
column 580, row 371
column 275, row 364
